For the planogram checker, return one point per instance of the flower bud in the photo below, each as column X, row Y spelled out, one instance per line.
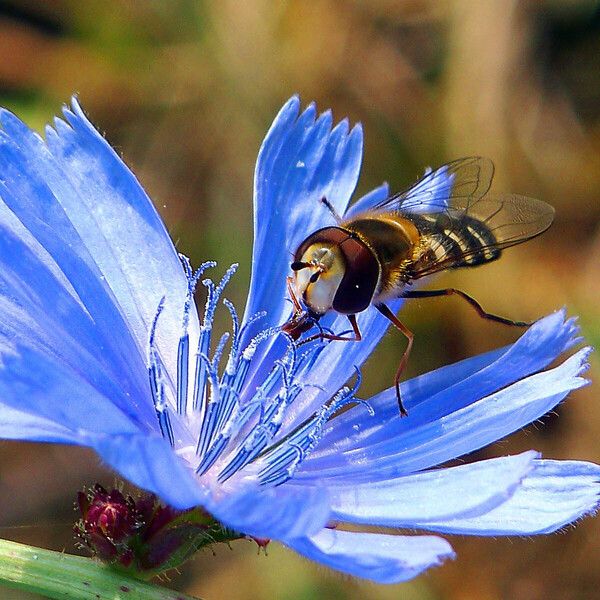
column 143, row 535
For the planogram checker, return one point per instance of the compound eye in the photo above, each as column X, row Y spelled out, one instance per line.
column 359, row 283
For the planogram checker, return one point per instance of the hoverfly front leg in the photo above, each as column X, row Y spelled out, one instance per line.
column 337, row 338
column 388, row 314
column 293, row 297
column 452, row 291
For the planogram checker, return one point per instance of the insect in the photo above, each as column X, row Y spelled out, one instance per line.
column 444, row 221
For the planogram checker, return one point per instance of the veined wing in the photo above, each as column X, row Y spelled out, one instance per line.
column 471, row 232
column 459, row 183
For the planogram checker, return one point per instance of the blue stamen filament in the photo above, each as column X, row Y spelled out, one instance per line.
column 183, row 361
column 156, row 381
column 183, row 351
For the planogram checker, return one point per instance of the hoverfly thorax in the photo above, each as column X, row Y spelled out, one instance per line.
column 335, row 269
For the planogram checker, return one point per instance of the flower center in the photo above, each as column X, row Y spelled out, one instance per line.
column 237, row 427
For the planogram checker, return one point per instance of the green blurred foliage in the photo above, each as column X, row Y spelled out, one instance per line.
column 185, row 91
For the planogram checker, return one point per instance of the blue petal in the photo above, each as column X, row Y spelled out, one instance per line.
column 149, row 462
column 49, row 248
column 439, row 393
column 300, row 161
column 76, row 185
column 279, row 513
column 465, row 491
column 463, row 431
column 19, row 425
column 37, row 384
column 380, row 558
column 555, row 494
column 43, row 315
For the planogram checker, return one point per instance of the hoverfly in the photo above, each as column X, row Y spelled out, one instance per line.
column 373, row 256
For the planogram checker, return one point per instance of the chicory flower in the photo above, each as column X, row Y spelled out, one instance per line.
column 101, row 346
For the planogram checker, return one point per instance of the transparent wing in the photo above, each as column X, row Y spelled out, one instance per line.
column 471, row 232
column 460, row 183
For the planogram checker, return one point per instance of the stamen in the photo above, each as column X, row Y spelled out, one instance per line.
column 219, row 351
column 294, row 456
column 186, row 264
column 200, row 374
column 193, row 278
column 248, row 353
column 214, row 293
column 241, row 424
column 235, row 340
column 162, row 412
column 262, row 434
column 160, row 406
column 219, row 415
column 230, row 429
column 261, row 314
column 159, row 309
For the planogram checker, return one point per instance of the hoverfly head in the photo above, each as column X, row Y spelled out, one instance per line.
column 317, row 276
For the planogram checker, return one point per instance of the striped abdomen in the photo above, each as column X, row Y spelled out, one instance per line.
column 449, row 243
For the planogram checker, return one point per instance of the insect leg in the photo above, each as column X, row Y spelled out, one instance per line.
column 292, row 293
column 331, row 209
column 337, row 338
column 388, row 314
column 482, row 313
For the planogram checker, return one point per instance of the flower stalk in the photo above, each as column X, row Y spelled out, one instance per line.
column 63, row 576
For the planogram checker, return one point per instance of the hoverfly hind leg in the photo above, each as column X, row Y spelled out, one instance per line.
column 478, row 308
column 408, row 334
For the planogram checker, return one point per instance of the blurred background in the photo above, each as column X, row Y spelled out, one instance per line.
column 185, row 90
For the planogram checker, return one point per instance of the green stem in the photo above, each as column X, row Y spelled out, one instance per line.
column 63, row 576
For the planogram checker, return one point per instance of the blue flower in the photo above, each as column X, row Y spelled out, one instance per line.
column 101, row 346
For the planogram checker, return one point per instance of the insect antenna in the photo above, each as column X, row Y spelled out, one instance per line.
column 298, row 265
column 331, row 209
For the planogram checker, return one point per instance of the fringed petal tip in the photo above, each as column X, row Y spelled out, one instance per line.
column 555, row 495
column 303, row 158
column 581, row 364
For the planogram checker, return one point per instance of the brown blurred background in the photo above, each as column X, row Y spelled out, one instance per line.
column 185, row 91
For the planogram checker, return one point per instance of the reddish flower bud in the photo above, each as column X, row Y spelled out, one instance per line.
column 143, row 535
